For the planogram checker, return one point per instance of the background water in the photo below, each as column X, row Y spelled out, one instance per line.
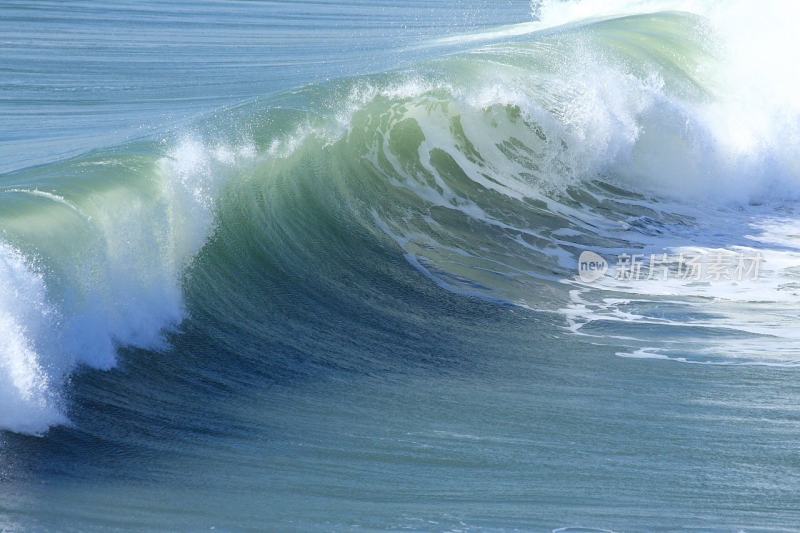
column 81, row 75
column 312, row 266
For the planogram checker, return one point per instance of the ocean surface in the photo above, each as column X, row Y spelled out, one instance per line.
column 322, row 266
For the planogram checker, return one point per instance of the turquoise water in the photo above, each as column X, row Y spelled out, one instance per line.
column 305, row 266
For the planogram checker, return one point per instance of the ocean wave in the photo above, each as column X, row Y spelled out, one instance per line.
column 489, row 170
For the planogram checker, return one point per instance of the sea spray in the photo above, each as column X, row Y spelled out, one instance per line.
column 118, row 282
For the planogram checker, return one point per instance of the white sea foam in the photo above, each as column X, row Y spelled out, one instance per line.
column 750, row 320
column 740, row 147
column 28, row 403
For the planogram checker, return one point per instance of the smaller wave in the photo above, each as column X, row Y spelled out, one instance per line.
column 100, row 270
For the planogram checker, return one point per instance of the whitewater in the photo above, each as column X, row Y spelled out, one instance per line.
column 287, row 293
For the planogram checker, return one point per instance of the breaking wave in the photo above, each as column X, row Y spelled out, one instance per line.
column 604, row 126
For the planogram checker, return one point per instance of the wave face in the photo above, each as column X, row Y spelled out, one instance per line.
column 489, row 170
